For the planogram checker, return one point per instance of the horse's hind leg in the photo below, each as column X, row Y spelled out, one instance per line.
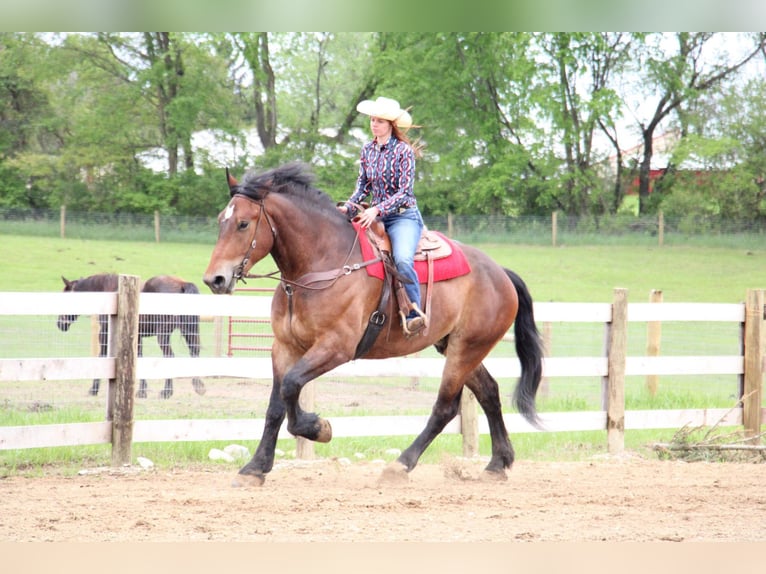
column 487, row 393
column 190, row 331
column 167, row 352
column 462, row 366
column 141, row 394
column 103, row 349
column 167, row 392
column 444, row 410
column 199, row 386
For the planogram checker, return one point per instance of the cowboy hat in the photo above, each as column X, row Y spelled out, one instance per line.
column 387, row 109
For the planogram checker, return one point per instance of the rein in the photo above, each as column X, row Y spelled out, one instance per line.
column 304, row 281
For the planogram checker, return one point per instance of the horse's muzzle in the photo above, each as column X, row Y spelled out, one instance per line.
column 219, row 284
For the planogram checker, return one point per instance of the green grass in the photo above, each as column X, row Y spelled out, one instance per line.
column 563, row 274
column 569, row 273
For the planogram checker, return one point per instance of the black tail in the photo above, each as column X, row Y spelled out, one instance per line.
column 529, row 348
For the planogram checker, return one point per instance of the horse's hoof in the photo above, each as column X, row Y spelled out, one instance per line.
column 325, row 431
column 493, row 475
column 394, row 473
column 245, row 480
column 141, row 394
column 199, row 386
column 166, row 394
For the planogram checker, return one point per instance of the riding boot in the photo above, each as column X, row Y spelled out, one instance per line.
column 415, row 321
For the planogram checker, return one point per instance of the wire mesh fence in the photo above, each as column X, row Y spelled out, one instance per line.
column 531, row 229
column 40, row 336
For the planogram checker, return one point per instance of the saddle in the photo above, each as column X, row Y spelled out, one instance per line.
column 431, row 247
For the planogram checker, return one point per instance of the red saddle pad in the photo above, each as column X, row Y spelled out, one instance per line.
column 449, row 267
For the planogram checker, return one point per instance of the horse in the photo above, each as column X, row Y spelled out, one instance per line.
column 161, row 326
column 321, row 307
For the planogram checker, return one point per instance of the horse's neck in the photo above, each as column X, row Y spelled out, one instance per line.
column 309, row 242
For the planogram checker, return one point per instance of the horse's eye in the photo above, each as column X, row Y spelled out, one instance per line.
column 244, row 224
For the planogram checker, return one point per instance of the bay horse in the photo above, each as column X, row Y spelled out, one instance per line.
column 321, row 308
column 161, row 326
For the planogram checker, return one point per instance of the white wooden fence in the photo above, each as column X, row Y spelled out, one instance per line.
column 123, row 368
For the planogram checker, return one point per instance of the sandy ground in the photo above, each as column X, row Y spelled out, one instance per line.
column 613, row 499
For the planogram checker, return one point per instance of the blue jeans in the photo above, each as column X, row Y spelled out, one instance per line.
column 404, row 229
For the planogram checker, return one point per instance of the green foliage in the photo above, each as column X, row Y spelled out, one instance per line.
column 13, row 191
column 510, row 120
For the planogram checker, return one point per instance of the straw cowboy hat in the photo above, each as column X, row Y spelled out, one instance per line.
column 387, row 109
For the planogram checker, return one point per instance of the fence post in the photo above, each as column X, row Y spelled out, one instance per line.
column 660, row 229
column 62, row 222
column 469, row 423
column 653, row 338
column 156, row 226
column 122, row 387
column 753, row 356
column 618, row 339
column 554, row 227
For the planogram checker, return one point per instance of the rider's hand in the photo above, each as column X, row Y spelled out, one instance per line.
column 368, row 216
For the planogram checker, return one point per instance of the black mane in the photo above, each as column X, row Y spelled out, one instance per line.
column 294, row 179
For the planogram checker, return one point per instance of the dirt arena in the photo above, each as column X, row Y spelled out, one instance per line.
column 626, row 498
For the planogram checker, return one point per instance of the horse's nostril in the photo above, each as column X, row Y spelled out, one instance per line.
column 217, row 283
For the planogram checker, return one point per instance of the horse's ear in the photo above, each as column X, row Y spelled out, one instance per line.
column 230, row 179
column 66, row 282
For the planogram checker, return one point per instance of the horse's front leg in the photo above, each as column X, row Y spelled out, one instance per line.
column 320, row 359
column 254, row 472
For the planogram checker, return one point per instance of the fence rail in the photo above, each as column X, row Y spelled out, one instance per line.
column 124, row 367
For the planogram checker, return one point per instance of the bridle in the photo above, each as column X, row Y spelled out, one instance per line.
column 240, row 269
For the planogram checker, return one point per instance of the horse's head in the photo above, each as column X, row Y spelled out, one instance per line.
column 245, row 236
column 65, row 321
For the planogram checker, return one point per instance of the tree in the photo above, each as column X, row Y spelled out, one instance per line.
column 680, row 78
column 577, row 98
column 27, row 136
column 470, row 94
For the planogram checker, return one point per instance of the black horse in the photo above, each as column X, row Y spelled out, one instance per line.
column 161, row 326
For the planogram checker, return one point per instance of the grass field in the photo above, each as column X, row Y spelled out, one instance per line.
column 563, row 274
column 576, row 273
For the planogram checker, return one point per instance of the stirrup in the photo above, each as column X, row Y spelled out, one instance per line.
column 420, row 324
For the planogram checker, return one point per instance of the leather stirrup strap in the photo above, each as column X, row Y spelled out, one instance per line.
column 429, row 286
column 377, row 321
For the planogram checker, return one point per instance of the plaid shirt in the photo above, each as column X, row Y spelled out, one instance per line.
column 388, row 173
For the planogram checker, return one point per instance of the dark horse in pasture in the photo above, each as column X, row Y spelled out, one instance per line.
column 161, row 326
column 322, row 307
